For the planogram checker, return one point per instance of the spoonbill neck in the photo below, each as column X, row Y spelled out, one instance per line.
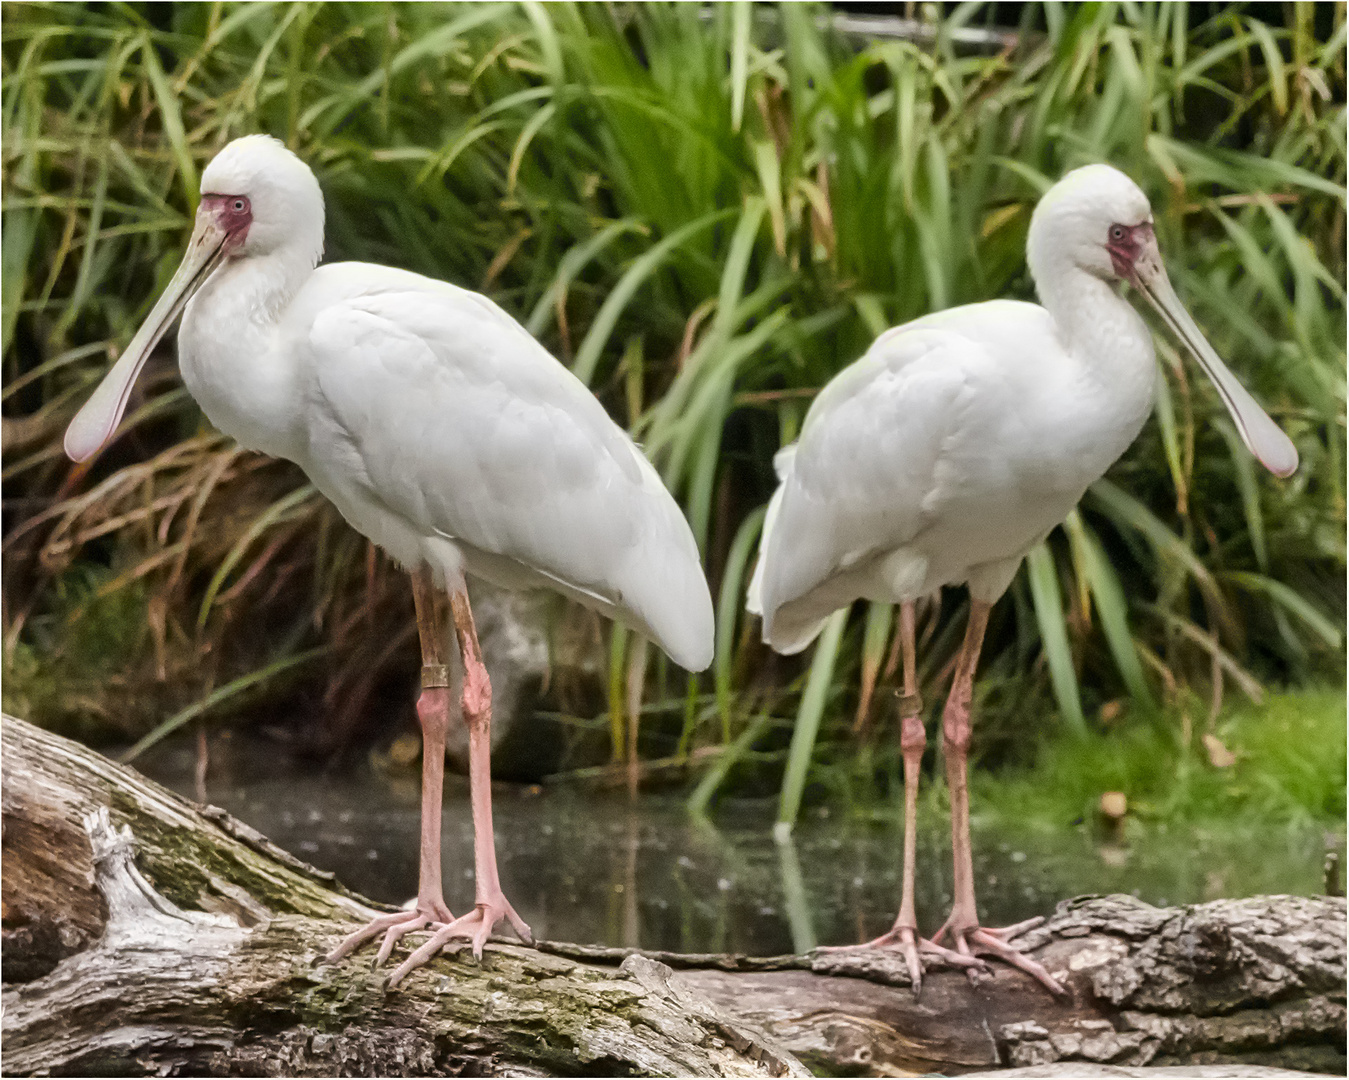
column 234, row 356
column 262, row 285
column 1096, row 324
column 1112, row 368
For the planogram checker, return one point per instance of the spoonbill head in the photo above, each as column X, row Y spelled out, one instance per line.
column 1097, row 219
column 258, row 202
column 954, row 446
column 258, row 197
column 442, row 431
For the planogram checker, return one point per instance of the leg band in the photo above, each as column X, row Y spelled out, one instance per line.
column 910, row 704
column 434, row 675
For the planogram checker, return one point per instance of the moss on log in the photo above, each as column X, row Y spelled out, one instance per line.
column 185, row 943
column 144, row 934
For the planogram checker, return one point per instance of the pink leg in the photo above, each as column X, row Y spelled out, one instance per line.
column 963, row 922
column 433, row 711
column 491, row 906
column 903, row 936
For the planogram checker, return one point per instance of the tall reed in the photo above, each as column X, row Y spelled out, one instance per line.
column 707, row 212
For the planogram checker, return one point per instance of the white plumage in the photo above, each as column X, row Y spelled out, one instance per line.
column 434, row 422
column 959, row 440
column 443, row 432
column 953, row 447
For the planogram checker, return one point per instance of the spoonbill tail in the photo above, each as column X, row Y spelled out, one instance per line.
column 443, row 432
column 952, row 448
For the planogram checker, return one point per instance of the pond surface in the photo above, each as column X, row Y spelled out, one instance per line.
column 588, row 868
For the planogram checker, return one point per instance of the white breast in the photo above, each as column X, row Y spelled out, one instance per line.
column 942, row 456
column 236, row 362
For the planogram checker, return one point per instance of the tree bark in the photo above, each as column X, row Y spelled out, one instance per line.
column 1259, row 981
column 144, row 934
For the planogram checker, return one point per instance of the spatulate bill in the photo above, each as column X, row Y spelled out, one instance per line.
column 95, row 423
column 1262, row 436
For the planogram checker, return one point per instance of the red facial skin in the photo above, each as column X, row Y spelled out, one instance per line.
column 233, row 213
column 1125, row 242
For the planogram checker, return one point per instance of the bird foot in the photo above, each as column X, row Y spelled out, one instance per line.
column 474, row 927
column 996, row 942
column 906, row 941
column 393, row 926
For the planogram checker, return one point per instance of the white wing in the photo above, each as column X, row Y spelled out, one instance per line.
column 782, row 466
column 443, row 411
column 873, row 468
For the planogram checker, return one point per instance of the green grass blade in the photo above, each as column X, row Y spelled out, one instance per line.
column 740, row 16
column 1129, row 511
column 172, row 119
column 733, row 275
column 1166, row 420
column 278, row 511
column 728, row 611
column 550, row 44
column 1113, row 608
column 16, row 247
column 880, row 619
column 794, row 898
column 1291, row 601
column 1044, row 587
column 573, row 262
column 808, row 717
column 770, row 177
column 527, row 134
column 211, row 700
column 650, row 261
column 1243, row 471
column 725, row 761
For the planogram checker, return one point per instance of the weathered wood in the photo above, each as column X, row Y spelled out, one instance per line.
column 1078, row 1071
column 145, row 934
column 1253, row 981
column 187, row 943
column 1259, row 981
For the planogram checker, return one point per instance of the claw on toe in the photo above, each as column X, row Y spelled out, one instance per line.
column 996, row 942
column 907, row 942
column 1011, row 933
column 997, row 946
column 474, row 927
column 909, row 948
column 393, row 926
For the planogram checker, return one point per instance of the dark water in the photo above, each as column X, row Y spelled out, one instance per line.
column 583, row 867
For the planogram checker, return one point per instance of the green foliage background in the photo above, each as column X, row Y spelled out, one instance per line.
column 707, row 213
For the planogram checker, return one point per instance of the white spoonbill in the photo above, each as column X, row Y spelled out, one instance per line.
column 953, row 447
column 443, row 432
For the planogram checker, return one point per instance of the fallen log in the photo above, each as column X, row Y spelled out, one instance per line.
column 1247, row 982
column 144, row 934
